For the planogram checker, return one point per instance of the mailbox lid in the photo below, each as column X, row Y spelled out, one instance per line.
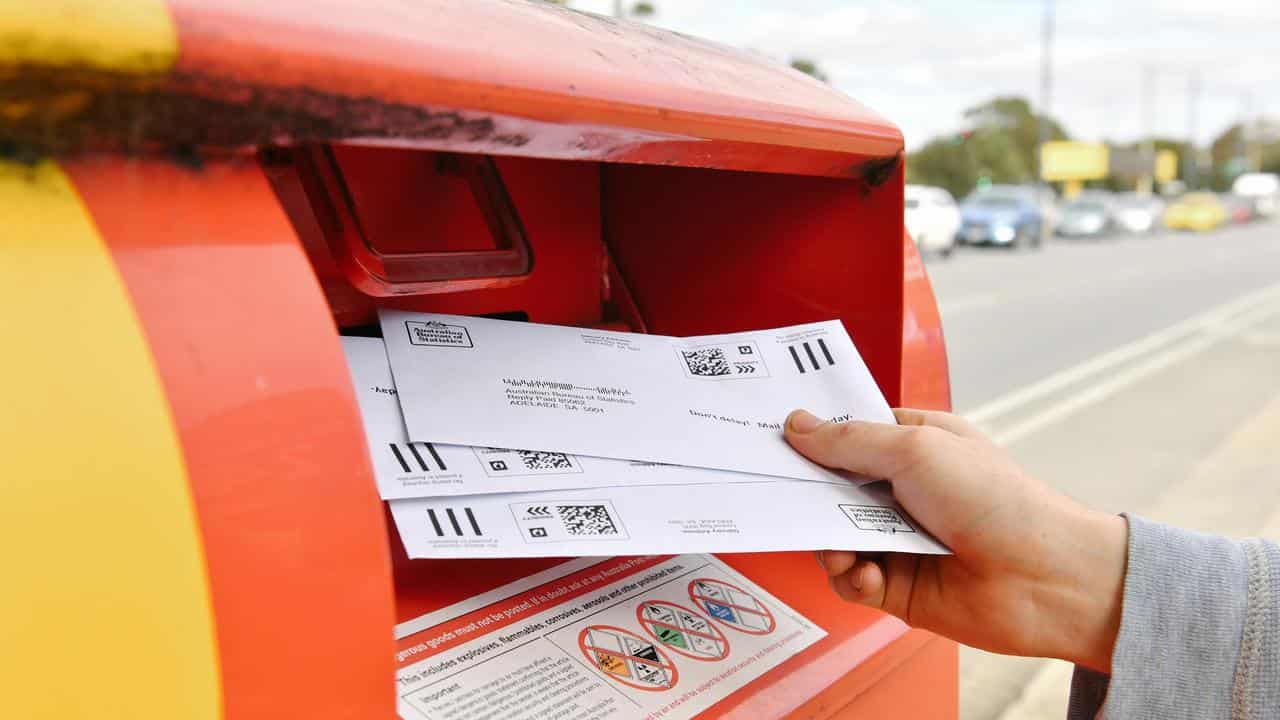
column 508, row 78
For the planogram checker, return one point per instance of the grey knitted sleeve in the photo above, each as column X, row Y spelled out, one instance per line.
column 1199, row 632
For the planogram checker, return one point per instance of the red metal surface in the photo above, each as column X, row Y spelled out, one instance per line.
column 926, row 381
column 463, row 75
column 915, row 677
column 262, row 401
column 706, row 252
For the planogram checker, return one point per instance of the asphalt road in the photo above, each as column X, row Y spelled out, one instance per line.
column 1136, row 374
column 1012, row 318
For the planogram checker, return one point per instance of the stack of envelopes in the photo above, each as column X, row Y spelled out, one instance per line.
column 492, row 438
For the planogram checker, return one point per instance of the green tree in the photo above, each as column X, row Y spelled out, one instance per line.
column 809, row 67
column 1000, row 147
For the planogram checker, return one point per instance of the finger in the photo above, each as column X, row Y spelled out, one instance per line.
column 879, row 450
column 932, row 418
column 899, row 572
column 862, row 584
column 836, row 562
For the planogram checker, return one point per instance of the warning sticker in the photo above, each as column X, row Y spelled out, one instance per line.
column 682, row 630
column 628, row 658
column 592, row 639
column 732, row 606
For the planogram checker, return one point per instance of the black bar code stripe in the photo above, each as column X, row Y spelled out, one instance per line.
column 812, row 358
column 435, row 521
column 435, row 456
column 453, row 520
column 418, row 457
column 825, row 352
column 796, row 358
column 472, row 519
column 400, row 458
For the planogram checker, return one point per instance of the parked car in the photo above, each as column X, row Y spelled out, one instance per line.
column 1138, row 212
column 1196, row 211
column 932, row 218
column 1262, row 190
column 1088, row 216
column 1005, row 215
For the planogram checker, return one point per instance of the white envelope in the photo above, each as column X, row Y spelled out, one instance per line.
column 687, row 518
column 715, row 401
column 406, row 469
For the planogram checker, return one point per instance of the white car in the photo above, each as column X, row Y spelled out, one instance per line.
column 1262, row 190
column 932, row 218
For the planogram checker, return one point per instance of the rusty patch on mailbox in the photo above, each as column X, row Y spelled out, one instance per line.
column 58, row 112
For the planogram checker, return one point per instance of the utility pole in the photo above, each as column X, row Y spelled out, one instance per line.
column 617, row 8
column 1193, row 151
column 1146, row 182
column 1046, row 86
column 1244, row 146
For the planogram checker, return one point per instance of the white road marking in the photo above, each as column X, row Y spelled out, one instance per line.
column 1101, row 363
column 972, row 302
column 1158, row 361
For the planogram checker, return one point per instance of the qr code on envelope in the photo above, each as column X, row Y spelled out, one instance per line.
column 499, row 462
column 724, row 361
column 550, row 521
column 587, row 520
column 707, row 362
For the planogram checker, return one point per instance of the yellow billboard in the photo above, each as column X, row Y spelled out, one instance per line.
column 1067, row 160
column 1166, row 166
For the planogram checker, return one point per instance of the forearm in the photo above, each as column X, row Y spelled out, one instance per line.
column 1083, row 603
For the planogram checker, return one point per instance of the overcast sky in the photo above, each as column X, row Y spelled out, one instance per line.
column 920, row 63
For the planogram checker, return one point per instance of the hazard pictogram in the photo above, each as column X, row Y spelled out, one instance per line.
column 628, row 658
column 682, row 630
column 732, row 606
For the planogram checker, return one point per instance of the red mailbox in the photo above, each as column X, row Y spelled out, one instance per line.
column 200, row 196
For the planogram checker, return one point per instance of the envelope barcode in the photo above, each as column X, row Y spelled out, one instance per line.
column 537, row 460
column 416, row 455
column 450, row 525
column 803, row 353
column 707, row 362
column 587, row 520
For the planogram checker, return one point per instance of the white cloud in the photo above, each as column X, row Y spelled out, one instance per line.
column 921, row 62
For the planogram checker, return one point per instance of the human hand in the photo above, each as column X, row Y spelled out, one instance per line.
column 1034, row 572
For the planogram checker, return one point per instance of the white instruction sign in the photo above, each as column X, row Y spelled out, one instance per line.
column 623, row 638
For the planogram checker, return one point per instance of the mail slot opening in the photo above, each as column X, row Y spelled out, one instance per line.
column 407, row 221
column 669, row 250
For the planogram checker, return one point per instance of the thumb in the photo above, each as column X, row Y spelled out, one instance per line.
column 878, row 450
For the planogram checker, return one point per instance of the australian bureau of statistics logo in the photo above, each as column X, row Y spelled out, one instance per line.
column 437, row 334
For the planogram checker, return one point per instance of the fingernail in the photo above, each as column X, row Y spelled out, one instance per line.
column 803, row 421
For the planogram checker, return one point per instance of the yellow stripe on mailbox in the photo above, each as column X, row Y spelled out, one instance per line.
column 105, row 610
column 130, row 36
